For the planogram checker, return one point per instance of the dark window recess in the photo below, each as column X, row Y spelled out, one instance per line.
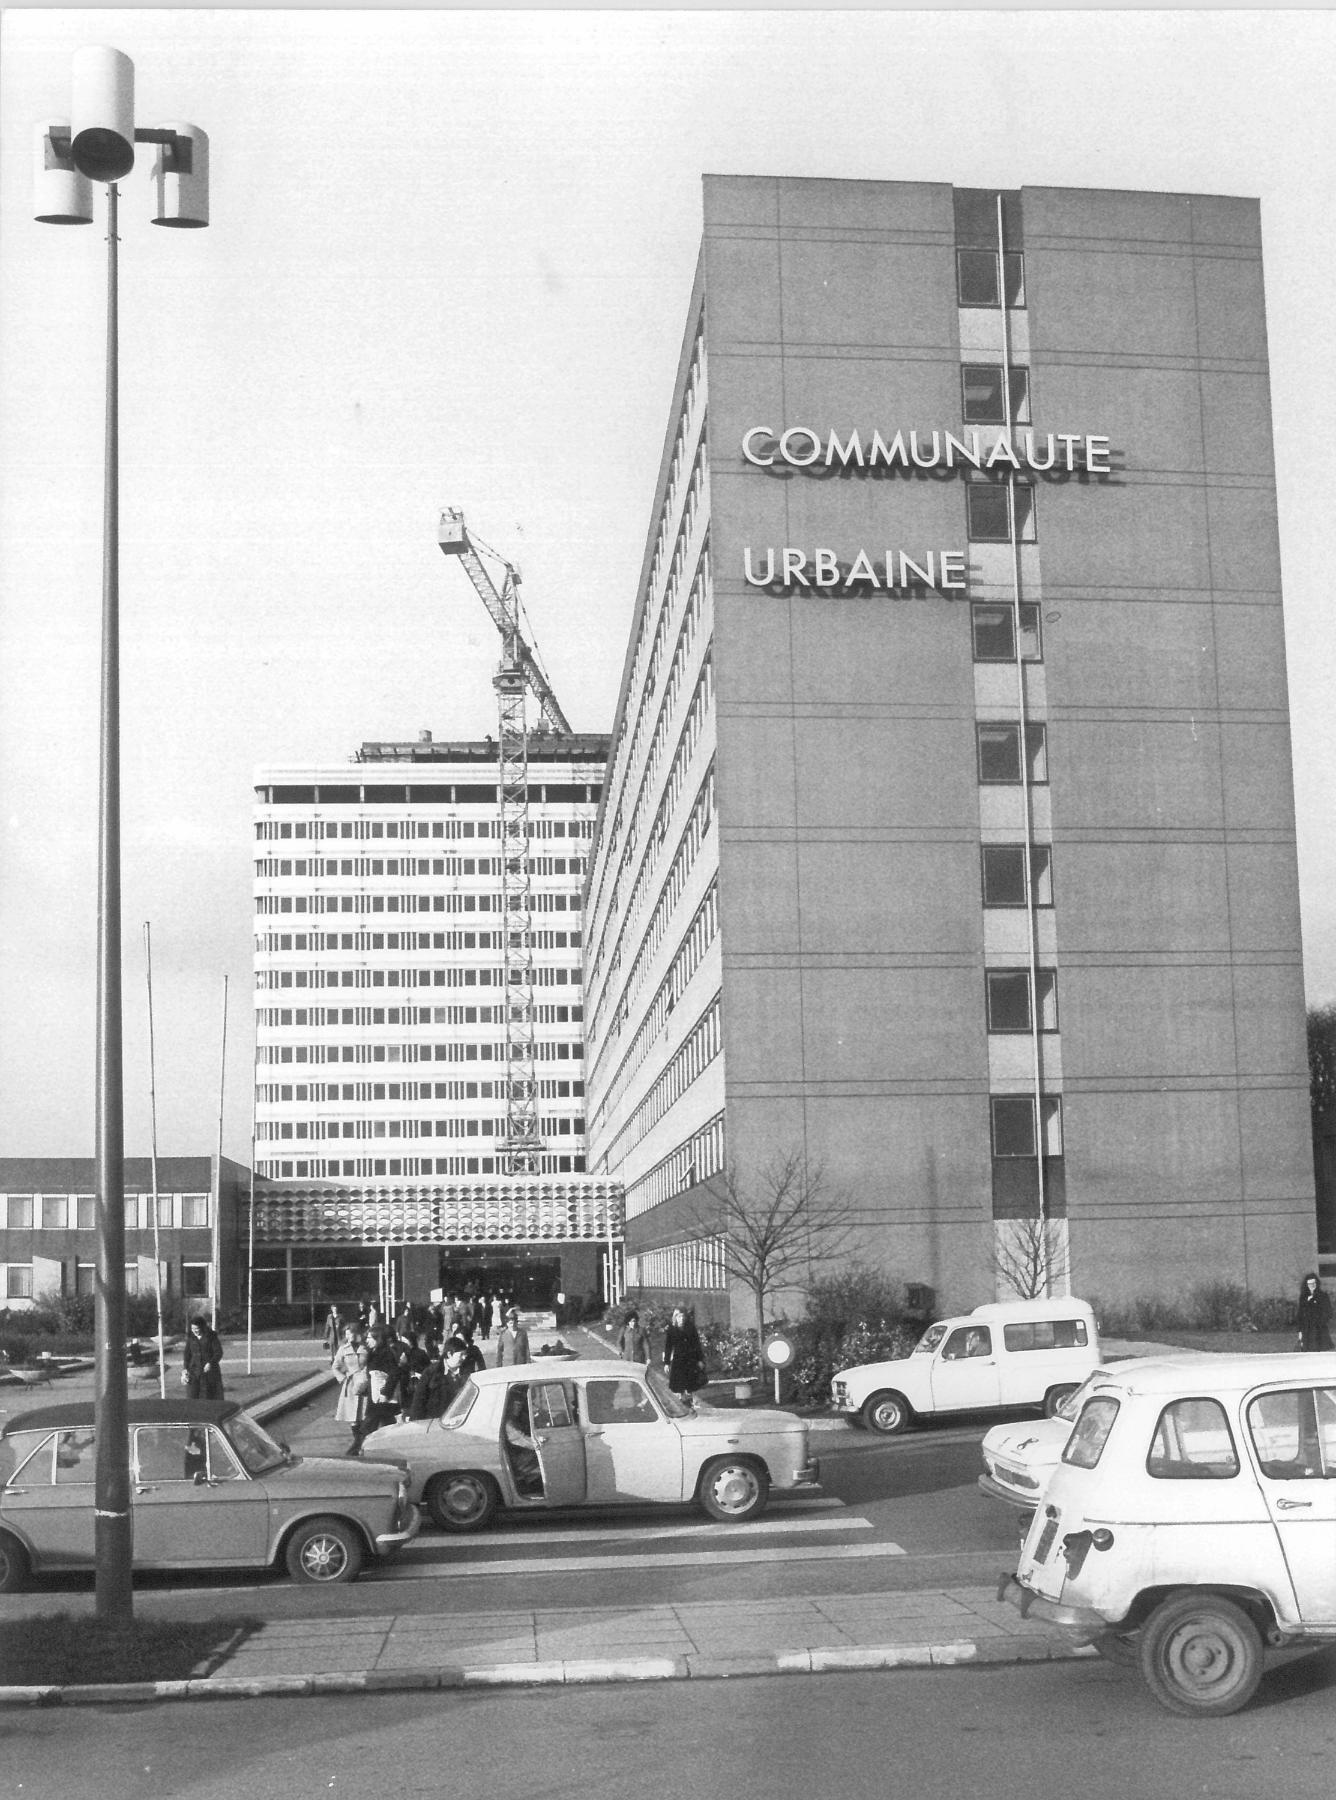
column 982, row 395
column 1016, row 1187
column 339, row 796
column 988, row 511
column 430, row 796
column 387, row 796
column 292, row 796
column 465, row 796
column 1004, row 874
column 994, row 631
column 977, row 281
column 976, row 218
column 1008, row 999
column 999, row 753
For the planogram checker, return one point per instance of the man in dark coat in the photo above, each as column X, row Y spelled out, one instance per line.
column 201, row 1375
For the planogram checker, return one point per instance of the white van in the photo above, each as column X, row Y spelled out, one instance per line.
column 1008, row 1354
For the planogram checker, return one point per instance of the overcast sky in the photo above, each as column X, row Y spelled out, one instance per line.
column 449, row 263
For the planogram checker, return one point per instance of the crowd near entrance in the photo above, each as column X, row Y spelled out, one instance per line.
column 532, row 1283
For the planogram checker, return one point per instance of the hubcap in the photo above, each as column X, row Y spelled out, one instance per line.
column 1204, row 1658
column 464, row 1500
column 323, row 1558
column 735, row 1489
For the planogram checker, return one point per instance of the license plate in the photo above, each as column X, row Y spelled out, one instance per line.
column 1046, row 1540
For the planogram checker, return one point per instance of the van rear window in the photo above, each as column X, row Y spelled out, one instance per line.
column 1192, row 1442
column 1046, row 1334
column 1086, row 1444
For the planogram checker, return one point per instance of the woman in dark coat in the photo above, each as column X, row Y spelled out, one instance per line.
column 201, row 1374
column 683, row 1354
column 1314, row 1315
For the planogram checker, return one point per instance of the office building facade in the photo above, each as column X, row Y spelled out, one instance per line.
column 947, row 842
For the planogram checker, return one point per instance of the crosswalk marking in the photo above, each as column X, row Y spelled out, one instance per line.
column 576, row 1565
column 519, row 1537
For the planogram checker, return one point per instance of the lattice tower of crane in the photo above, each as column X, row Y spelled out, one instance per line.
column 517, row 677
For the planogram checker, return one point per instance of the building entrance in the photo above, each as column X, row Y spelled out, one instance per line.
column 531, row 1282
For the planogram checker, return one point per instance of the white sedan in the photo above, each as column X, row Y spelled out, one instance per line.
column 596, row 1433
column 1018, row 1459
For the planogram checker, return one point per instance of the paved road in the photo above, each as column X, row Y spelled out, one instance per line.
column 1050, row 1732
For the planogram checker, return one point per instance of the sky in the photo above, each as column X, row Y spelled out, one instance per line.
column 448, row 264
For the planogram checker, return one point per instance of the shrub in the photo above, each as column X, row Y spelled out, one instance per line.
column 853, row 1296
column 730, row 1354
column 15, row 1350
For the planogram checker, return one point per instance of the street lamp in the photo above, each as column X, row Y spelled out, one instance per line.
column 97, row 144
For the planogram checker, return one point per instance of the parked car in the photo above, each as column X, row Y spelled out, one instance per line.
column 1005, row 1355
column 1191, row 1521
column 210, row 1489
column 1019, row 1458
column 593, row 1433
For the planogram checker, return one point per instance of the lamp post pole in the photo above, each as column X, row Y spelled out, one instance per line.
column 97, row 144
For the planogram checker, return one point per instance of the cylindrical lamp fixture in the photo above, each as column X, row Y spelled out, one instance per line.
column 181, row 177
column 60, row 194
column 102, row 113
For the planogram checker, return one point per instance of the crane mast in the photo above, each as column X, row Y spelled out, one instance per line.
column 517, row 676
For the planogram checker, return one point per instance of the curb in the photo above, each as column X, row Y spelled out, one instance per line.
column 832, row 1660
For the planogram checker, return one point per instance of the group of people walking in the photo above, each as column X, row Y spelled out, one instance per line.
column 413, row 1368
column 683, row 1352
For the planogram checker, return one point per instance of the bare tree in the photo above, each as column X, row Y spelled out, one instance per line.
column 1032, row 1257
column 776, row 1227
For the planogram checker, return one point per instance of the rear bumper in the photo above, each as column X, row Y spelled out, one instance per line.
column 809, row 1475
column 1080, row 1623
column 388, row 1542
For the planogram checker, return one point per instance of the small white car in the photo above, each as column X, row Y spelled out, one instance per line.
column 591, row 1433
column 1009, row 1354
column 1018, row 1459
column 1191, row 1521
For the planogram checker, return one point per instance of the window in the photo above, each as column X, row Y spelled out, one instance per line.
column 994, row 631
column 1086, row 1444
column 1004, row 874
column 1000, row 753
column 1294, row 1434
column 132, row 1278
column 195, row 1281
column 983, row 395
column 977, row 277
column 83, row 1279
column 55, row 1212
column 1045, row 1334
column 20, row 1212
column 18, row 1281
column 1013, row 1124
column 967, row 1341
column 194, row 1210
column 618, row 1403
column 1008, row 992
column 1192, row 1442
column 74, row 1457
column 988, row 506
column 168, row 1453
column 87, row 1206
column 549, row 1406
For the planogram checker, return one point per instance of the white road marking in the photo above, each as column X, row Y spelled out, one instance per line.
column 517, row 1538
column 577, row 1565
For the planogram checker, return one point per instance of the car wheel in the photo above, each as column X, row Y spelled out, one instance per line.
column 1054, row 1398
column 1201, row 1655
column 887, row 1413
column 733, row 1490
column 14, row 1565
column 324, row 1551
column 462, row 1500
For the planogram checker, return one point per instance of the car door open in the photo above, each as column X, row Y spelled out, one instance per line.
column 558, row 1443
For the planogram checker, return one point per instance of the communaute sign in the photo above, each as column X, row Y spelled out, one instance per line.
column 1002, row 454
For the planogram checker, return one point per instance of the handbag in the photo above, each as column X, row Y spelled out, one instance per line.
column 359, row 1382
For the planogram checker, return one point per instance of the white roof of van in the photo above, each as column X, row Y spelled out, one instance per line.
column 1057, row 1308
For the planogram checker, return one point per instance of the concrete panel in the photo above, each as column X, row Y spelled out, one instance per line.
column 1134, row 897
column 893, row 1024
column 1256, row 764
column 849, row 513
column 742, row 290
column 763, row 1026
column 876, row 653
column 1131, row 653
column 860, row 292
column 1160, row 775
column 928, row 772
column 1231, row 308
column 1250, row 656
column 1110, row 1265
column 1086, row 214
column 758, row 897
column 754, row 772
column 1116, row 301
column 1263, row 898
column 1140, row 1159
column 886, row 392
column 906, row 897
column 867, row 206
column 1276, row 1128
column 1270, row 1027
column 1245, row 541
column 900, row 1157
column 1132, row 534
column 746, row 389
column 1151, row 416
column 1219, row 219
column 1236, row 423
column 1156, row 1024
column 740, row 200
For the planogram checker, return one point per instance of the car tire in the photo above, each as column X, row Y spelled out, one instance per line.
column 15, row 1568
column 1054, row 1398
column 733, row 1490
column 462, row 1500
column 887, row 1413
column 1201, row 1655
column 322, row 1552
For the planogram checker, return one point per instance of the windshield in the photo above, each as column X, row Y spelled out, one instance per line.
column 253, row 1444
column 462, row 1404
column 672, row 1403
column 1068, row 1408
column 930, row 1340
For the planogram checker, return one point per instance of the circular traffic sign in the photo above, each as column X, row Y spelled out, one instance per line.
column 778, row 1352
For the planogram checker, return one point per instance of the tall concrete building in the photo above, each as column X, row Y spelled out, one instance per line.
column 948, row 835
column 382, row 1059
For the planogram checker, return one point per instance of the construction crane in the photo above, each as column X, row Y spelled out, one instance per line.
column 518, row 676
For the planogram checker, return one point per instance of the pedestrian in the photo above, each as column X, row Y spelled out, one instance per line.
column 333, row 1332
column 350, row 1365
column 633, row 1339
column 383, row 1388
column 413, row 1358
column 1314, row 1315
column 487, row 1316
column 512, row 1341
column 201, row 1375
column 683, row 1355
